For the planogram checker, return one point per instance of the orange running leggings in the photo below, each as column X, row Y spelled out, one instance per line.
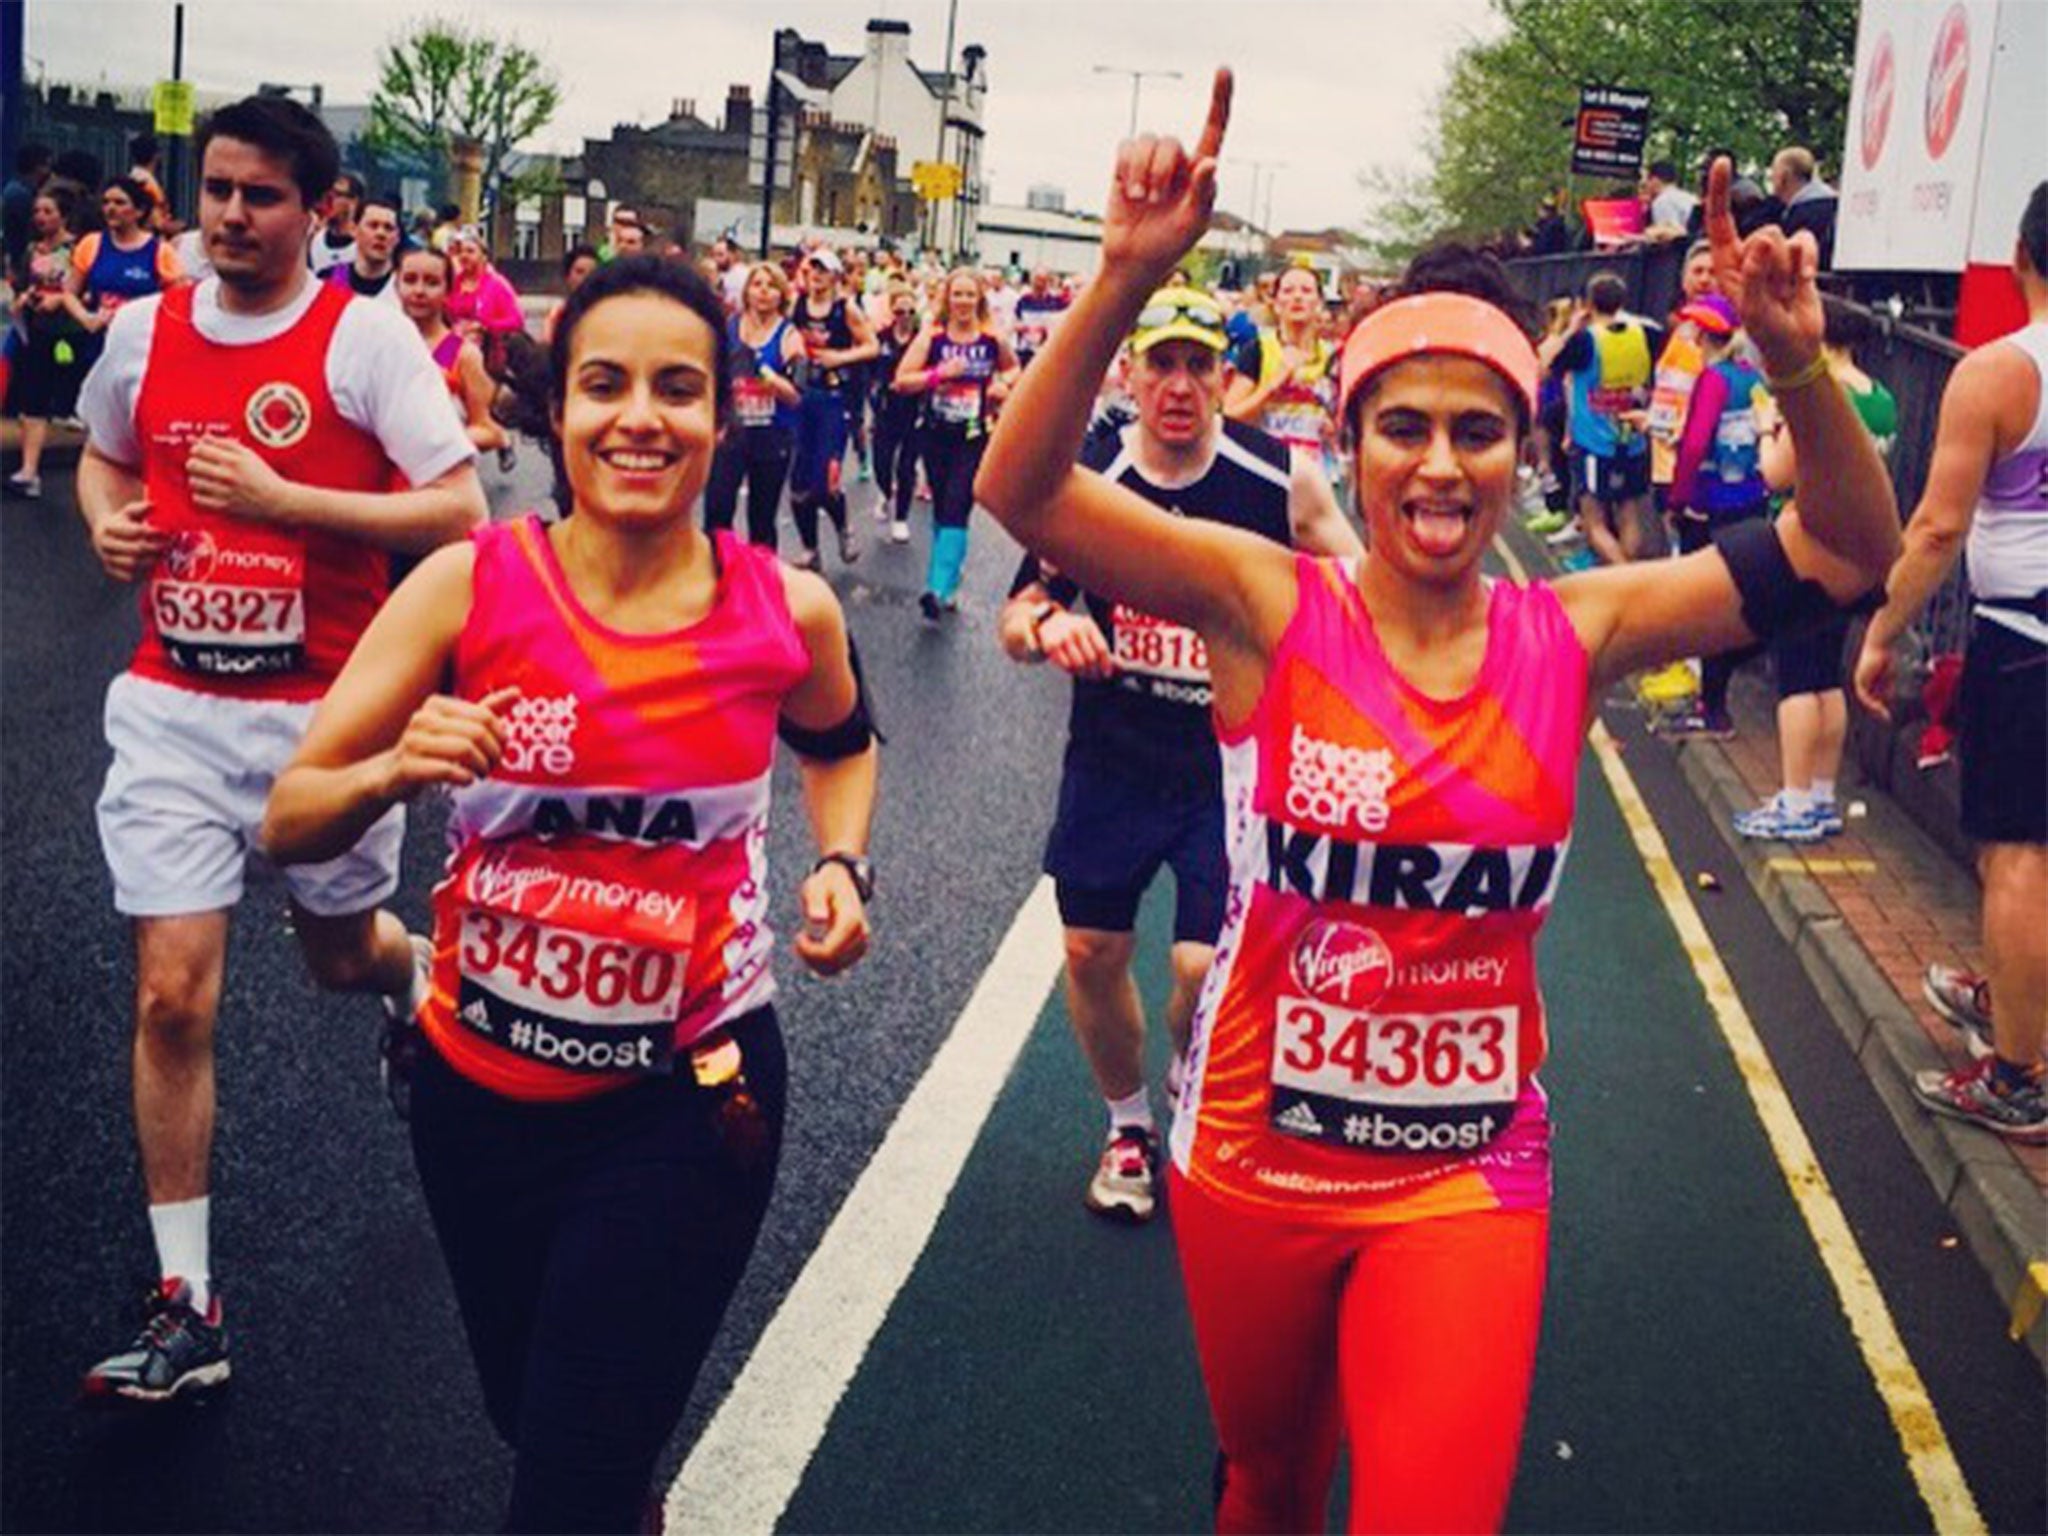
column 1419, row 1340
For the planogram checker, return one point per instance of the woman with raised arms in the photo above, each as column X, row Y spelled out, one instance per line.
column 1360, row 1163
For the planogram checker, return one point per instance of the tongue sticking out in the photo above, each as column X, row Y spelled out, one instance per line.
column 1438, row 533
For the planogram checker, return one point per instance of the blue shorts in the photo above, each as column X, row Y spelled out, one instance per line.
column 1109, row 840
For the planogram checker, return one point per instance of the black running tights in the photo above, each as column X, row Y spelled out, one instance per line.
column 593, row 1248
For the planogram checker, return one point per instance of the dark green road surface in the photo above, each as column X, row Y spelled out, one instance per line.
column 1696, row 1371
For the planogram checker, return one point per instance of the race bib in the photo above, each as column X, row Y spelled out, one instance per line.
column 570, row 968
column 1399, row 1081
column 753, row 403
column 1154, row 648
column 957, row 402
column 224, row 608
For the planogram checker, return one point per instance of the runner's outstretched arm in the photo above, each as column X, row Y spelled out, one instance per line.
column 1965, row 447
column 1317, row 524
column 1228, row 584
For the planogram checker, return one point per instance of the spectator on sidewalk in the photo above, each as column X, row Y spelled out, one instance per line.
column 1808, row 203
column 1670, row 205
column 1813, row 707
column 1987, row 490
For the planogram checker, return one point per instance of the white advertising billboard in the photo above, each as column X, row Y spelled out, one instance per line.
column 1917, row 109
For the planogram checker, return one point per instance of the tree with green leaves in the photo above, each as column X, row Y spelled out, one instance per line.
column 1722, row 74
column 440, row 81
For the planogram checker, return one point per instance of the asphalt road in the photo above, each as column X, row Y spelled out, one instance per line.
column 1693, row 1359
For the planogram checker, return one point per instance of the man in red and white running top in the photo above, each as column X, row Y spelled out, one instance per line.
column 245, row 437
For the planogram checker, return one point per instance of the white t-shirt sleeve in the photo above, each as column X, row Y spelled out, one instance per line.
column 385, row 382
column 106, row 401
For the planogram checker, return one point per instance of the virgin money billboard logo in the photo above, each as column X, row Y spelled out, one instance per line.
column 1948, row 80
column 1880, row 88
column 1343, row 964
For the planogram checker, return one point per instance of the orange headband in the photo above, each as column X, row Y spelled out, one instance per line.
column 1455, row 323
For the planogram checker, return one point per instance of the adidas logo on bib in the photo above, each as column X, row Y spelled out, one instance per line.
column 1299, row 1119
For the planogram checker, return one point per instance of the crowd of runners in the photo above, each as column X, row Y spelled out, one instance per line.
column 1254, row 527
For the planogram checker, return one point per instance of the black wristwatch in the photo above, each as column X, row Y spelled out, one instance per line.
column 1039, row 615
column 861, row 869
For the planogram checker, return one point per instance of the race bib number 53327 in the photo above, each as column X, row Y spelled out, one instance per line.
column 1395, row 1081
column 230, row 611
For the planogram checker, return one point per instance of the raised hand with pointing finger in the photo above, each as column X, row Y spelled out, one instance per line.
column 1162, row 194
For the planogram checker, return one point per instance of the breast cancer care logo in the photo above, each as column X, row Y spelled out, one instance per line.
column 1948, row 81
column 278, row 414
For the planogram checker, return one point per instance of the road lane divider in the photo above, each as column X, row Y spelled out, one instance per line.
column 750, row 1460
column 1929, row 1458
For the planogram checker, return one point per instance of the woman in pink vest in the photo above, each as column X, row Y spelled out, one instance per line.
column 596, row 1103
column 1360, row 1180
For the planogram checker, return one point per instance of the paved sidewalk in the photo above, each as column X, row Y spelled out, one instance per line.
column 1866, row 912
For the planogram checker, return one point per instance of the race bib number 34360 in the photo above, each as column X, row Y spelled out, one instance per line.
column 566, row 998
column 1395, row 1081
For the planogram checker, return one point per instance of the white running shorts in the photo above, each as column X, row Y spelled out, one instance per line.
column 183, row 805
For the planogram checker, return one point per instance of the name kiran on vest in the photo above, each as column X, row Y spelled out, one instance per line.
column 1426, row 877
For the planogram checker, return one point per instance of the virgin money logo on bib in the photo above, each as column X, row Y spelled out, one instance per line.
column 191, row 556
column 1948, row 81
column 1879, row 87
column 1343, row 964
column 504, row 881
column 278, row 415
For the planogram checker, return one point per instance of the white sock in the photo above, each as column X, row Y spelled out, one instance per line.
column 1132, row 1111
column 180, row 1231
column 1823, row 791
column 1797, row 802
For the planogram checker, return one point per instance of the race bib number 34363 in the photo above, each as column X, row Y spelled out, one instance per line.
column 566, row 998
column 1395, row 1081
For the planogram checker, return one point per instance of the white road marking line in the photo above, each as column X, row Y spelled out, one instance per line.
column 1929, row 1457
column 747, row 1465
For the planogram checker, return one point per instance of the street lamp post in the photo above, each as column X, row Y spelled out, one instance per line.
column 1138, row 77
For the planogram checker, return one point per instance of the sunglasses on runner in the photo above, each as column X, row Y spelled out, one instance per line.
column 1156, row 316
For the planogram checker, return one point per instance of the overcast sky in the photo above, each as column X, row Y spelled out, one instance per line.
column 1325, row 86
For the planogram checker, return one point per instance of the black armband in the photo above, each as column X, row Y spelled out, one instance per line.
column 1777, row 602
column 850, row 737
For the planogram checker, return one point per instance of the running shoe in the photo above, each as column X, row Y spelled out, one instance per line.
column 928, row 604
column 1668, row 685
column 1976, row 1094
column 849, row 547
column 508, row 459
column 810, row 560
column 1964, row 999
column 1569, row 533
column 866, row 471
column 177, row 1350
column 1578, row 560
column 1123, row 1186
column 1710, row 725
column 27, row 487
column 400, row 1044
column 1829, row 815
column 1776, row 822
column 899, row 532
column 1546, row 522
